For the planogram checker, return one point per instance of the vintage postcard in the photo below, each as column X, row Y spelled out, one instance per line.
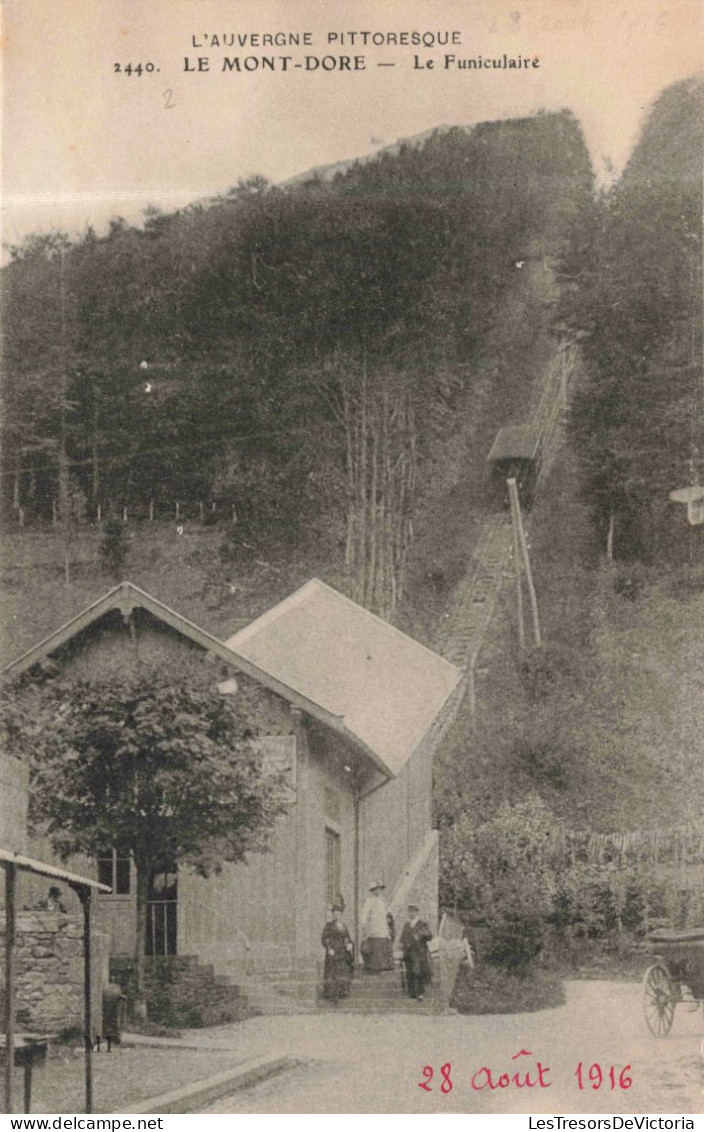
column 352, row 591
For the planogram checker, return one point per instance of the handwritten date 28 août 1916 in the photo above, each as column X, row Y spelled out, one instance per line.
column 527, row 1076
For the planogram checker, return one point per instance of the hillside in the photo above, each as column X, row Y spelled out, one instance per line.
column 334, row 360
column 220, row 593
column 303, row 355
column 635, row 292
column 605, row 722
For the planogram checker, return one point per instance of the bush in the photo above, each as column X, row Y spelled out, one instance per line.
column 516, row 941
column 486, row 990
column 514, row 877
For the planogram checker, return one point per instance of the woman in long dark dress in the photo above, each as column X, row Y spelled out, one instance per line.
column 339, row 957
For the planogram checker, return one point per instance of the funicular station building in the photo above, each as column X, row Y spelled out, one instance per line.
column 352, row 705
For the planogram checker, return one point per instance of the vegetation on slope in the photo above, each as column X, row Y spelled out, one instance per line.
column 634, row 288
column 298, row 352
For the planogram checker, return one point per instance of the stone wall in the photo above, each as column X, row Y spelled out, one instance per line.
column 49, row 971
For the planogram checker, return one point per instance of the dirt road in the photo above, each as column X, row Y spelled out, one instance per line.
column 374, row 1064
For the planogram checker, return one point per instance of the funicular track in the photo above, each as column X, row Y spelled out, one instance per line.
column 474, row 599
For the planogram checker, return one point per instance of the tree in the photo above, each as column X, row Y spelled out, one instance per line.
column 161, row 766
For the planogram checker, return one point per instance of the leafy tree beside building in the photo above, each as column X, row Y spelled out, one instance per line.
column 162, row 766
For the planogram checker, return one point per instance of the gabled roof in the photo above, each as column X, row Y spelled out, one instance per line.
column 385, row 687
column 127, row 597
column 517, row 442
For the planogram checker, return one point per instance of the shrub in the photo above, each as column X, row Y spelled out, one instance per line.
column 504, row 873
column 517, row 940
column 486, row 990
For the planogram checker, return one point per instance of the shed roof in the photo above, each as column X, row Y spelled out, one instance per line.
column 386, row 688
column 515, row 442
column 30, row 865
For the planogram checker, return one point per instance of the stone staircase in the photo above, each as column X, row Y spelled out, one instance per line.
column 383, row 993
column 286, row 991
column 182, row 991
column 296, row 992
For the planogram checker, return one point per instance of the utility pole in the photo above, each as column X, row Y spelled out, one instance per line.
column 64, row 480
column 518, row 528
column 517, row 566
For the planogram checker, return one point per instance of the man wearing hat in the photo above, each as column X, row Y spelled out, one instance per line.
column 376, row 948
column 416, row 956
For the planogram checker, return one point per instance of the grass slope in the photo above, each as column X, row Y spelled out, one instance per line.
column 605, row 722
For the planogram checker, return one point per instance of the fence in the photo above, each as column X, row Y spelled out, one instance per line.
column 45, row 512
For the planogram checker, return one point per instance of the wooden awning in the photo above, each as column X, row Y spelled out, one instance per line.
column 13, row 863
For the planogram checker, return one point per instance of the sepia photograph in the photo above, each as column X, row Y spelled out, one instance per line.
column 352, row 573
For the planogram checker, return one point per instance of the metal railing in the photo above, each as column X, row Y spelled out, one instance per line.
column 162, row 927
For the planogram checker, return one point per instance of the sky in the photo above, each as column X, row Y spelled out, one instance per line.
column 84, row 141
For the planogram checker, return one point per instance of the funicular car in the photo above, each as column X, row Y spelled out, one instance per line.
column 515, row 454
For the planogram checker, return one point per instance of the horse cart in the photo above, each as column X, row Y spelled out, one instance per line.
column 675, row 976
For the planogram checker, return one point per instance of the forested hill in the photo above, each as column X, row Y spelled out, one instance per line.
column 636, row 292
column 296, row 351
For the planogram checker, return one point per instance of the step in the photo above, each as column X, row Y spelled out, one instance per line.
column 227, row 981
column 397, row 1006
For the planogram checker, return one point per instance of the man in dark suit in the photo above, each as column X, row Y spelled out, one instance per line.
column 416, row 956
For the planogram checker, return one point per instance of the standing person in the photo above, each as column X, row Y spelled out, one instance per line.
column 338, row 902
column 339, row 956
column 376, row 948
column 416, row 956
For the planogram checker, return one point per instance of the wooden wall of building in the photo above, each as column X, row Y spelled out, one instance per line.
column 268, row 914
column 394, row 822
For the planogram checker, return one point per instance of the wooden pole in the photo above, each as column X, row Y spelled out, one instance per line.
column 10, row 942
column 517, row 568
column 610, row 540
column 513, row 493
column 87, row 1021
column 472, row 694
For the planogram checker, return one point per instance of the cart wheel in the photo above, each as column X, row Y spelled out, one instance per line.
column 658, row 1000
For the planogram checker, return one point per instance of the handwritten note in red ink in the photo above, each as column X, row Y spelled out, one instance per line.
column 527, row 1076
